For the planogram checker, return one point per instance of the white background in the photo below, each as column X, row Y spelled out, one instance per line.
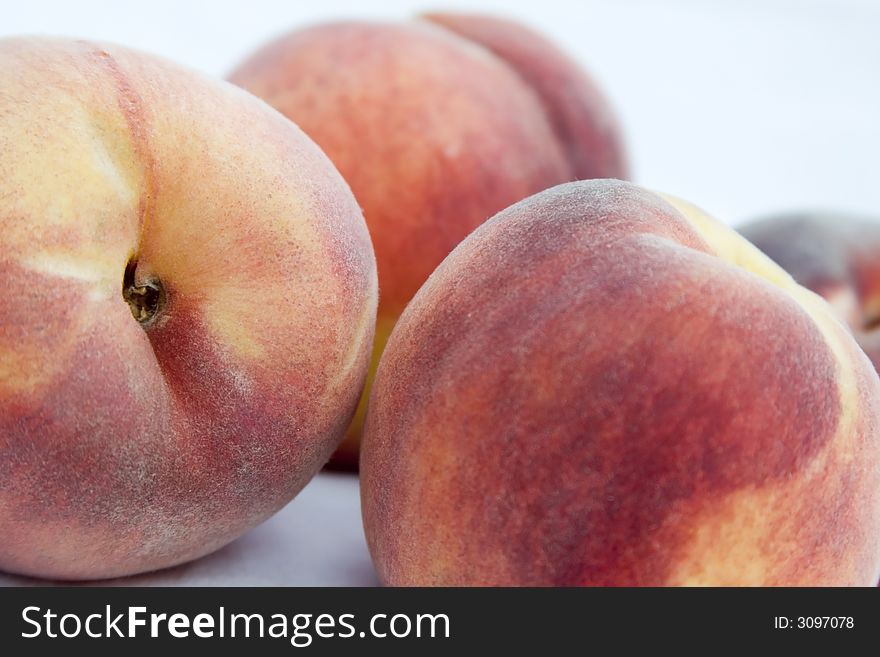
column 746, row 108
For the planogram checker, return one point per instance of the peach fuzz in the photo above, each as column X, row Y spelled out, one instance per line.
column 436, row 124
column 605, row 386
column 188, row 314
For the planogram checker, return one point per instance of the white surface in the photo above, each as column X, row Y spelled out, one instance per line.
column 745, row 108
column 316, row 540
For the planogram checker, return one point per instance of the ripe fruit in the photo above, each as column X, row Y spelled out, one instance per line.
column 187, row 313
column 837, row 256
column 601, row 386
column 437, row 124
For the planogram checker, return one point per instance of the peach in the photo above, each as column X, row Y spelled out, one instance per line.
column 605, row 386
column 189, row 304
column 436, row 124
column 835, row 255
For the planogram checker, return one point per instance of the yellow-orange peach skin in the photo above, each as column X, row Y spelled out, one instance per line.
column 837, row 256
column 188, row 308
column 604, row 386
column 437, row 124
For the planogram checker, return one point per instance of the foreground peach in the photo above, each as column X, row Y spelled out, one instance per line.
column 835, row 255
column 603, row 386
column 188, row 307
column 437, row 124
